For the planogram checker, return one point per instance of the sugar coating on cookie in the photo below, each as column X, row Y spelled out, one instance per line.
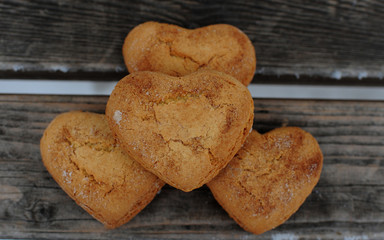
column 183, row 129
column 177, row 51
column 117, row 117
column 269, row 178
column 80, row 152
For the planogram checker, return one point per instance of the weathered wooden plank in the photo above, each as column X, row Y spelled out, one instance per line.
column 346, row 204
column 81, row 39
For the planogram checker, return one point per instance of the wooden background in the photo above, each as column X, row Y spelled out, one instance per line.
column 294, row 40
column 297, row 42
column 347, row 202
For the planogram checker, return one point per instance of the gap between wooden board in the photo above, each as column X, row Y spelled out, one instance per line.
column 283, row 91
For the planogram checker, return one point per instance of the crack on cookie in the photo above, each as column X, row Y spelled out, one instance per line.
column 189, row 145
column 272, row 165
column 245, row 189
column 155, row 117
column 97, row 146
column 110, row 191
column 262, row 205
column 210, row 60
column 194, row 143
column 67, row 137
column 173, row 53
column 195, row 147
column 239, row 171
column 214, row 161
column 185, row 58
column 218, row 106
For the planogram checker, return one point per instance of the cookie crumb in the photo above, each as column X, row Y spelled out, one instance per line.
column 117, row 117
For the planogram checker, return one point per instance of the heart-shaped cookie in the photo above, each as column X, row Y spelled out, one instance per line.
column 79, row 151
column 183, row 129
column 269, row 178
column 177, row 51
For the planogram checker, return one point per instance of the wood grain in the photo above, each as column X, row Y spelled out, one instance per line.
column 324, row 39
column 346, row 204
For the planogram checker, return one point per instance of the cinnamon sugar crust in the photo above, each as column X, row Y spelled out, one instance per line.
column 269, row 178
column 80, row 152
column 183, row 129
column 177, row 51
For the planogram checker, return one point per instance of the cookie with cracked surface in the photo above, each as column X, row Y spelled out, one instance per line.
column 183, row 129
column 269, row 178
column 177, row 51
column 79, row 151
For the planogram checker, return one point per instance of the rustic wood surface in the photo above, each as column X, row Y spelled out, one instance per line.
column 72, row 39
column 348, row 202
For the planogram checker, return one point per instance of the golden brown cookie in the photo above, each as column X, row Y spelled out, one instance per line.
column 183, row 129
column 177, row 51
column 79, row 151
column 269, row 178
